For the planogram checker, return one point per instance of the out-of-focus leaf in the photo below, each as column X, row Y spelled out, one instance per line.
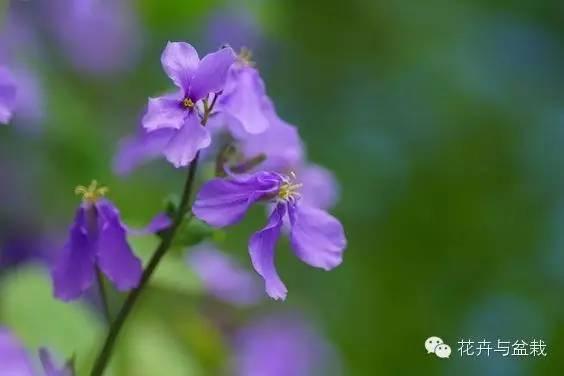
column 206, row 340
column 151, row 350
column 29, row 309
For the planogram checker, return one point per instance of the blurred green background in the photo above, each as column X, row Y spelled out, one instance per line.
column 444, row 123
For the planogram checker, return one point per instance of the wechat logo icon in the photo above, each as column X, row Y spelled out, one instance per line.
column 436, row 346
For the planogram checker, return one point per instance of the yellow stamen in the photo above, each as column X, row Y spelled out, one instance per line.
column 289, row 190
column 187, row 103
column 92, row 193
column 246, row 56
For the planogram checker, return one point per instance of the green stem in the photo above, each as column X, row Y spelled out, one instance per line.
column 168, row 236
column 103, row 297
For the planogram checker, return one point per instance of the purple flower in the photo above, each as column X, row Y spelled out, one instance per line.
column 283, row 345
column 97, row 239
column 98, row 36
column 317, row 238
column 244, row 102
column 222, row 276
column 15, row 361
column 195, row 79
column 8, row 91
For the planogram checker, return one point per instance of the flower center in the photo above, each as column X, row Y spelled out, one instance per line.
column 92, row 193
column 187, row 103
column 289, row 189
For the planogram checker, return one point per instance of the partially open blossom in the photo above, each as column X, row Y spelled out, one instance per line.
column 8, row 92
column 178, row 111
column 283, row 345
column 222, row 277
column 15, row 361
column 244, row 103
column 97, row 239
column 317, row 238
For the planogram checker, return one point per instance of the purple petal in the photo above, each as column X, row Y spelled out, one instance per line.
column 136, row 150
column 180, row 61
column 73, row 273
column 261, row 249
column 7, row 95
column 224, row 202
column 187, row 141
column 318, row 238
column 244, row 100
column 158, row 223
column 115, row 258
column 223, row 277
column 14, row 360
column 320, row 188
column 280, row 143
column 164, row 112
column 212, row 73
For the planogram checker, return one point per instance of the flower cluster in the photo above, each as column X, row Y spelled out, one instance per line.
column 217, row 114
column 259, row 158
column 247, row 115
